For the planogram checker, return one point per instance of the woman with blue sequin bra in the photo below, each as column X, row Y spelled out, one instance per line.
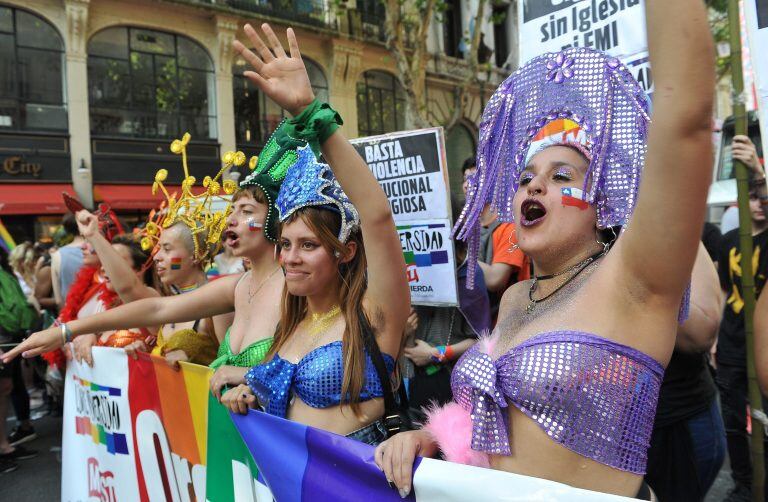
column 344, row 305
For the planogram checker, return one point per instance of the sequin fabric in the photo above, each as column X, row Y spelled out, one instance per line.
column 589, row 394
column 316, row 380
column 583, row 85
column 312, row 183
column 247, row 357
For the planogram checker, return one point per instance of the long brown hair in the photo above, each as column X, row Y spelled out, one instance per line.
column 325, row 225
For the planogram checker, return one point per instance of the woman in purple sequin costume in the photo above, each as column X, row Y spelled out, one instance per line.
column 566, row 389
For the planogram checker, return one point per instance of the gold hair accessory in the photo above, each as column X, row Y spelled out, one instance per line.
column 196, row 211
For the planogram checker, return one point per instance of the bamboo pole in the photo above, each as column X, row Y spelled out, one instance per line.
column 746, row 248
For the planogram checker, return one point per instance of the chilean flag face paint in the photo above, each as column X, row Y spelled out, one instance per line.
column 574, row 197
column 254, row 226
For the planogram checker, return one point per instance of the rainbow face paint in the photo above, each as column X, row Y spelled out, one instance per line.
column 574, row 197
column 176, row 263
column 254, row 226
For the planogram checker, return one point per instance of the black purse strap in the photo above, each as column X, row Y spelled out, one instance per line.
column 392, row 420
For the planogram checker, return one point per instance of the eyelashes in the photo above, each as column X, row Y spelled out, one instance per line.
column 563, row 172
column 525, row 178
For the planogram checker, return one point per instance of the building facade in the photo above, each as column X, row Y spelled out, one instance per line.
column 93, row 91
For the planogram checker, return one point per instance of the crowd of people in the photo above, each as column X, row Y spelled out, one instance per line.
column 609, row 338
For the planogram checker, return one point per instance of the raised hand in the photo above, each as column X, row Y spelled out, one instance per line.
column 87, row 223
column 281, row 77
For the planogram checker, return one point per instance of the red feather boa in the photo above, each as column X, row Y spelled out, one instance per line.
column 85, row 285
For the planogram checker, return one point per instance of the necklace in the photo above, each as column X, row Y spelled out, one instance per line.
column 580, row 266
column 264, row 281
column 321, row 322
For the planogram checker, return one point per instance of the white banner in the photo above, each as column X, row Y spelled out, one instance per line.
column 616, row 27
column 411, row 169
column 97, row 445
column 756, row 14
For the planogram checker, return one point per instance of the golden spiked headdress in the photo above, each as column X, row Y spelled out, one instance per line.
column 196, row 211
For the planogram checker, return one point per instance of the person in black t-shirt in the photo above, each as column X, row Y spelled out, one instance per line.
column 688, row 442
column 731, row 344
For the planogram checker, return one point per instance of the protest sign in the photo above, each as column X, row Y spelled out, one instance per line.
column 411, row 169
column 429, row 261
column 616, row 27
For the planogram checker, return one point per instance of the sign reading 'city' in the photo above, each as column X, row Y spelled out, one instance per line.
column 410, row 167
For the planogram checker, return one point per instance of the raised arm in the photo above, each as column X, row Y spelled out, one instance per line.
column 214, row 298
column 127, row 284
column 283, row 78
column 659, row 247
column 387, row 285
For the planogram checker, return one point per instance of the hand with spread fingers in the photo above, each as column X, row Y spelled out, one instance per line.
column 282, row 77
column 38, row 343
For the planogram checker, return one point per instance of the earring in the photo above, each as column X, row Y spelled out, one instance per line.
column 336, row 253
column 274, row 255
column 606, row 245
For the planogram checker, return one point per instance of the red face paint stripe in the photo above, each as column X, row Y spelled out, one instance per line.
column 574, row 202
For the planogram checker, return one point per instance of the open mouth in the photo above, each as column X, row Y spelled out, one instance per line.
column 231, row 238
column 532, row 212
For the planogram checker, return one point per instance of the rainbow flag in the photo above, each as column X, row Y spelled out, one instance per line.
column 6, row 240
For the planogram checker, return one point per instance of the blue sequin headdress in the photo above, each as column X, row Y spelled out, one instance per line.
column 580, row 85
column 309, row 183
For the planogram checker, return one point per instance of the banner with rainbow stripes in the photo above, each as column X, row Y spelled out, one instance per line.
column 134, row 429
column 139, row 429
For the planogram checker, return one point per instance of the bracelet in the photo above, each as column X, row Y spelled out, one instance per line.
column 66, row 333
column 448, row 353
column 314, row 125
column 438, row 358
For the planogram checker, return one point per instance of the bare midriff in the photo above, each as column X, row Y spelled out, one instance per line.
column 338, row 419
column 535, row 454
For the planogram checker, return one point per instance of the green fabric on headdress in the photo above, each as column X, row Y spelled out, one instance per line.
column 313, row 126
column 272, row 164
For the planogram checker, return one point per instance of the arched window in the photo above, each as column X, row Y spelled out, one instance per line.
column 459, row 145
column 380, row 104
column 150, row 84
column 256, row 116
column 32, row 90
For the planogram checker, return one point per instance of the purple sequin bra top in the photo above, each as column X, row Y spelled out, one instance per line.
column 592, row 395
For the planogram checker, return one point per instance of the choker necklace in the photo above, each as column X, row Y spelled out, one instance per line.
column 177, row 290
column 580, row 266
column 263, row 281
column 321, row 322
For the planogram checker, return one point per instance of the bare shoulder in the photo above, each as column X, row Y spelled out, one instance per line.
column 515, row 295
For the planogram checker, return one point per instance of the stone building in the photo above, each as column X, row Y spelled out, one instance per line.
column 93, row 91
